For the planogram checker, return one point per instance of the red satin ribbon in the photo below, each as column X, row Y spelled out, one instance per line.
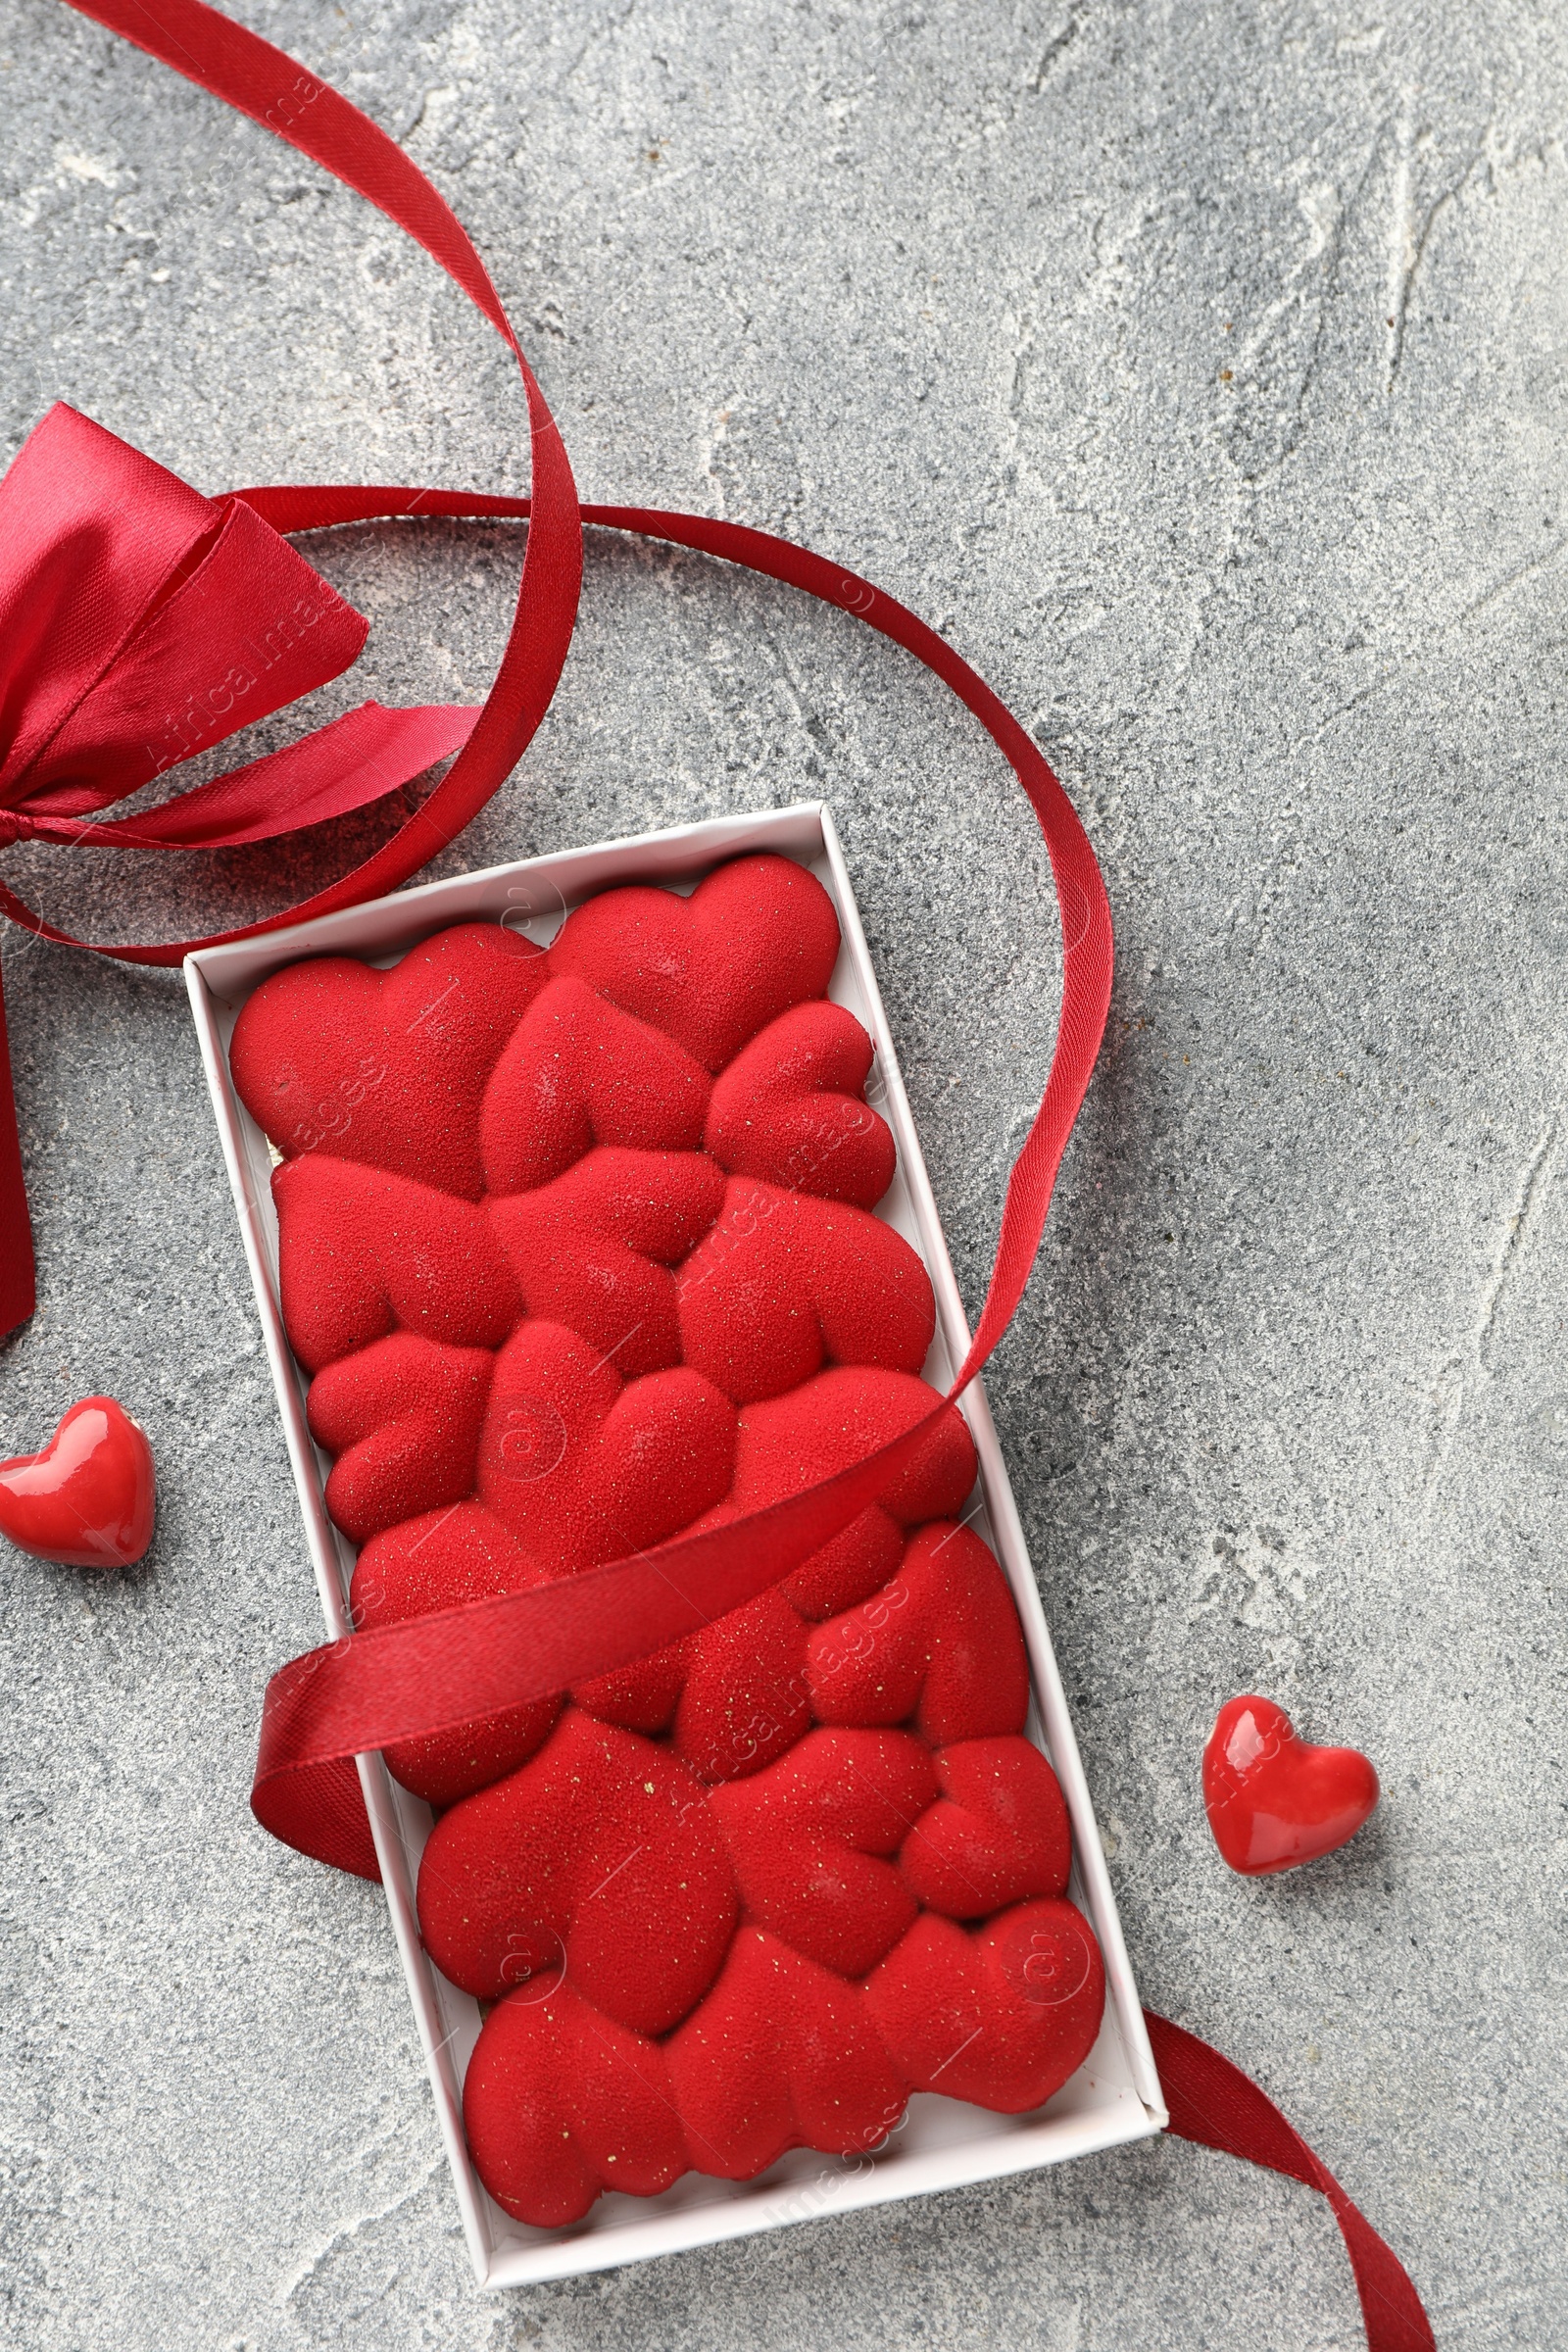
column 360, row 1693
column 1213, row 2102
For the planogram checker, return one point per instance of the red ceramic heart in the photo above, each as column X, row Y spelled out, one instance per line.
column 88, row 1500
column 1275, row 1801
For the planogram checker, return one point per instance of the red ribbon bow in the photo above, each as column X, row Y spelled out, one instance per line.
column 142, row 622
column 131, row 607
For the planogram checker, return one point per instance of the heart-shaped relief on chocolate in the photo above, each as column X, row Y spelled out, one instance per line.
column 364, row 1254
column 387, row 1068
column 782, row 2054
column 595, row 1249
column 941, row 1650
column 784, row 1284
column 997, row 1832
column 439, row 1560
column 581, row 1466
column 516, row 1883
column 1000, row 2014
column 579, row 1072
column 790, row 1109
column 813, row 1841
column 404, row 1418
column 784, row 1444
column 753, row 939
column 561, row 2103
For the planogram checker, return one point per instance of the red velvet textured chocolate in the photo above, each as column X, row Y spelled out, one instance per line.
column 578, row 1246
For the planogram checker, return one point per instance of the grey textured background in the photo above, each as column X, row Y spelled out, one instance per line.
column 1202, row 369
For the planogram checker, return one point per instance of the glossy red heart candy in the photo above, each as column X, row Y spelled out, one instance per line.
column 88, row 1500
column 1275, row 1801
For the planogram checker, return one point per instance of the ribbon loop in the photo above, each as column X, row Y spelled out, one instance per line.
column 141, row 624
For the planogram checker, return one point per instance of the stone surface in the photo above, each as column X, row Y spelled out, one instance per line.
column 1201, row 371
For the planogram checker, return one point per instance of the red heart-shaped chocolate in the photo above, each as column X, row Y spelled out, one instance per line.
column 438, row 1561
column 594, row 1248
column 785, row 1283
column 998, row 1832
column 1275, row 1801
column 781, row 2054
column 577, row 1072
column 757, row 937
column 789, row 1108
column 786, row 1443
column 582, row 1466
column 88, row 1501
column 403, row 1418
column 811, row 1839
column 388, row 1068
column 516, row 1883
column 560, row 2103
column 363, row 1254
column 605, row 1271
column 1001, row 2015
column 743, row 1699
column 941, row 1645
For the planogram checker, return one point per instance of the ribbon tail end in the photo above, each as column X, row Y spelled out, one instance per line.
column 320, row 1811
column 17, row 1274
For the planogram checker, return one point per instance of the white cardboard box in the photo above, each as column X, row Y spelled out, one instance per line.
column 1115, row 2095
